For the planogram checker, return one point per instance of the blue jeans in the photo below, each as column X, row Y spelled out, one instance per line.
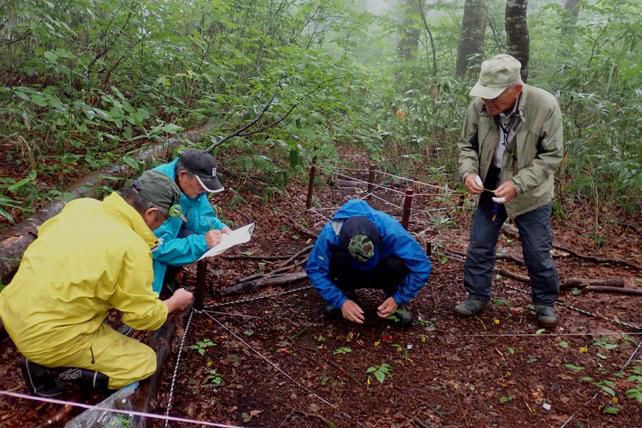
column 537, row 240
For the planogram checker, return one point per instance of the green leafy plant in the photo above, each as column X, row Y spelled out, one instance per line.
column 380, row 372
column 342, row 350
column 214, row 378
column 202, row 345
column 574, row 367
column 505, row 399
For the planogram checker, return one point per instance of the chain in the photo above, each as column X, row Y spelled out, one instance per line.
column 254, row 299
column 178, row 361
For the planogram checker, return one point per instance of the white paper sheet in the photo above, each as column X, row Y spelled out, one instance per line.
column 228, row 240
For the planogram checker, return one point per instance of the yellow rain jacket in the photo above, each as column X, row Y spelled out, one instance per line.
column 91, row 257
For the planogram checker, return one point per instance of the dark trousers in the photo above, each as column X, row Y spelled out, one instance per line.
column 536, row 235
column 387, row 275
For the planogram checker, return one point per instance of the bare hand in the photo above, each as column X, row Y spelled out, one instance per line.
column 506, row 190
column 352, row 312
column 213, row 237
column 387, row 308
column 471, row 185
column 180, row 300
column 226, row 230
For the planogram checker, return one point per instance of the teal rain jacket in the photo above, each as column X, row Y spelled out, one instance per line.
column 175, row 251
column 395, row 240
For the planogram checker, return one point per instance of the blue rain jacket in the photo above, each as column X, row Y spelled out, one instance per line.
column 395, row 240
column 174, row 251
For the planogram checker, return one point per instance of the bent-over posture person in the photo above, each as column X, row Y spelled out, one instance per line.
column 90, row 258
column 365, row 248
column 185, row 240
column 510, row 148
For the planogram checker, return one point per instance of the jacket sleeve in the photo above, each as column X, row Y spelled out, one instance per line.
column 177, row 251
column 318, row 269
column 133, row 295
column 399, row 242
column 468, row 143
column 549, row 154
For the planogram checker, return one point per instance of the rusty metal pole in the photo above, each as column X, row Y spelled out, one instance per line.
column 407, row 204
column 201, row 285
column 371, row 175
column 313, row 171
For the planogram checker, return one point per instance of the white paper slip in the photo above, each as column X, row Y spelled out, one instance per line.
column 229, row 240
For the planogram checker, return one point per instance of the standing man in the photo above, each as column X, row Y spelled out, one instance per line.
column 510, row 149
column 183, row 240
column 90, row 258
column 365, row 248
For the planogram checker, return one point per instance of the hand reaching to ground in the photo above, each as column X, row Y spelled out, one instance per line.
column 387, row 308
column 352, row 312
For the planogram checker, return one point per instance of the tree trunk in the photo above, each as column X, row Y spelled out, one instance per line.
column 409, row 37
column 569, row 21
column 471, row 44
column 517, row 32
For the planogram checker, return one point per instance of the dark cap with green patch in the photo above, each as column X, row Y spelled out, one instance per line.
column 158, row 189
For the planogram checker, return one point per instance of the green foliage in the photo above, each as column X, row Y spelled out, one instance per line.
column 202, row 345
column 342, row 350
column 83, row 83
column 214, row 378
column 380, row 372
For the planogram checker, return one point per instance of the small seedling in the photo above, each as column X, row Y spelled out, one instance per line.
column 342, row 350
column 380, row 372
column 202, row 345
column 610, row 410
column 505, row 399
column 573, row 367
column 531, row 359
column 215, row 378
column 563, row 344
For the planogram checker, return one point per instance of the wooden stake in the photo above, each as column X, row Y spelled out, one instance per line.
column 407, row 204
column 313, row 171
column 371, row 175
column 201, row 284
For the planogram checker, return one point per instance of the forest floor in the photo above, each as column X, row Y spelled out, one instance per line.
column 497, row 369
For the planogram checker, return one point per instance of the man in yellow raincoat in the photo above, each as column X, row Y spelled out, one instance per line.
column 93, row 256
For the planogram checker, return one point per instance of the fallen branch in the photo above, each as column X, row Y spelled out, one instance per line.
column 295, row 256
column 615, row 290
column 271, row 273
column 513, row 232
column 582, row 283
column 269, row 280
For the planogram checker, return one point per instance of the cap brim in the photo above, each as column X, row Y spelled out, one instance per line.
column 210, row 184
column 487, row 92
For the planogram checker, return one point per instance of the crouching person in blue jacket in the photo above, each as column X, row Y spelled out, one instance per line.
column 365, row 248
column 184, row 239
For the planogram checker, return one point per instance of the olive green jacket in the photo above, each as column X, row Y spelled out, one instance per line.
column 535, row 142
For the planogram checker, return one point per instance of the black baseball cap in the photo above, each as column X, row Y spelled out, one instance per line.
column 204, row 167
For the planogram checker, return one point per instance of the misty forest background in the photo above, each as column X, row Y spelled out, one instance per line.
column 84, row 82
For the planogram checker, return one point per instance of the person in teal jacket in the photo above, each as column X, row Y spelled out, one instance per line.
column 183, row 240
column 365, row 248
